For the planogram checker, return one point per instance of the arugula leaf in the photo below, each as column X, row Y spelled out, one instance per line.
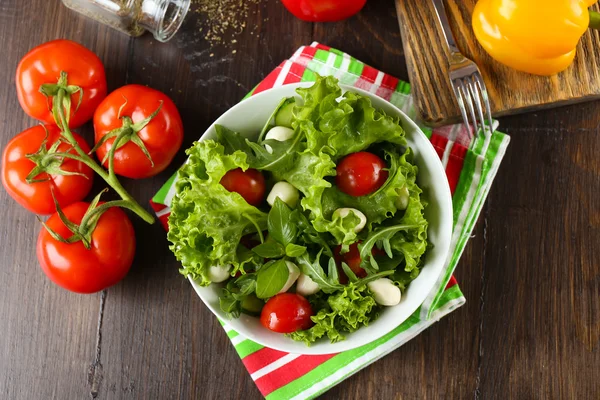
column 232, row 141
column 269, row 250
column 281, row 156
column 271, row 119
column 308, row 233
column 281, row 226
column 233, row 294
column 383, row 236
column 294, row 250
column 207, row 221
column 349, row 273
column 313, row 269
column 271, row 278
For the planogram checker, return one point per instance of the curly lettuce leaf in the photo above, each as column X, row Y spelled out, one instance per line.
column 345, row 311
column 207, row 221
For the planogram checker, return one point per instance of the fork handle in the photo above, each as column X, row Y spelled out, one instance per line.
column 440, row 11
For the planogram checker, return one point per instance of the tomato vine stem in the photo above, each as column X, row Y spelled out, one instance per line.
column 111, row 179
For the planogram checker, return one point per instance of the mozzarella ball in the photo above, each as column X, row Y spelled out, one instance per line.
column 219, row 273
column 384, row 292
column 279, row 133
column 343, row 212
column 286, row 192
column 294, row 274
column 402, row 199
column 305, row 286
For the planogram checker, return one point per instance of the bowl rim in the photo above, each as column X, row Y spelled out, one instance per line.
column 427, row 147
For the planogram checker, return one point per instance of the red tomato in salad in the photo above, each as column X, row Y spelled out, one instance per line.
column 43, row 65
column 250, row 184
column 286, row 313
column 162, row 136
column 78, row 269
column 352, row 258
column 37, row 196
column 323, row 10
column 360, row 174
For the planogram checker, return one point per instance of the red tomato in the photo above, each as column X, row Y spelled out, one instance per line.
column 360, row 174
column 286, row 313
column 44, row 64
column 37, row 196
column 78, row 269
column 250, row 184
column 352, row 258
column 323, row 10
column 162, row 136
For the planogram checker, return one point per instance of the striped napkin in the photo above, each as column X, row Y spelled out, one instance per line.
column 470, row 164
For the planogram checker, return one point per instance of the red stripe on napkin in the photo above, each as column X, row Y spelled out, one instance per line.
column 289, row 372
column 455, row 165
column 269, row 81
column 439, row 144
column 261, row 358
column 295, row 73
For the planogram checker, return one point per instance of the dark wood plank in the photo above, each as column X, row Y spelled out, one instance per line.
column 541, row 324
column 427, row 59
column 49, row 336
column 160, row 341
column 530, row 327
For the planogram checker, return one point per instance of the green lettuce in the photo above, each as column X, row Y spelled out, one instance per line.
column 343, row 312
column 207, row 221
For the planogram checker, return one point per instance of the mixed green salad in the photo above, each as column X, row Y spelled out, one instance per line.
column 340, row 234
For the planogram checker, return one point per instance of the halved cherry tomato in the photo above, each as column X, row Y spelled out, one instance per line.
column 352, row 258
column 360, row 174
column 323, row 10
column 250, row 184
column 37, row 196
column 78, row 269
column 286, row 313
column 162, row 136
column 44, row 64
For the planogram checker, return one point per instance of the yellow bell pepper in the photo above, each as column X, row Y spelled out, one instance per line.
column 538, row 37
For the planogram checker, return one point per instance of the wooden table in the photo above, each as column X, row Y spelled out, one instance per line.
column 531, row 273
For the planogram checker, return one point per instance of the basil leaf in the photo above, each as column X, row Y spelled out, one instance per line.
column 246, row 284
column 269, row 250
column 294, row 250
column 280, row 224
column 270, row 280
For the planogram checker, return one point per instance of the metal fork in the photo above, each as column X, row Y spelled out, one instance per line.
column 466, row 80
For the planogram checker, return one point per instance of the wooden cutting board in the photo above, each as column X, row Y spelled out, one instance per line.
column 511, row 91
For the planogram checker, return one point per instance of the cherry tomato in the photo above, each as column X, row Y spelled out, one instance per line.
column 37, row 196
column 250, row 184
column 286, row 313
column 78, row 269
column 323, row 10
column 361, row 173
column 43, row 65
column 162, row 136
column 352, row 258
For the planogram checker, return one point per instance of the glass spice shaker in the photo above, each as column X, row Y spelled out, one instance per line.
column 160, row 17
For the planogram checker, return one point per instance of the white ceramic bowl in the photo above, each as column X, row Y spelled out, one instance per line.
column 248, row 118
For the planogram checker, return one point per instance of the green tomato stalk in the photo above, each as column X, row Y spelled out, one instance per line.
column 61, row 93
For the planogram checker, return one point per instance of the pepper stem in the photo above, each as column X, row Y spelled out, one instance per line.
column 594, row 19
